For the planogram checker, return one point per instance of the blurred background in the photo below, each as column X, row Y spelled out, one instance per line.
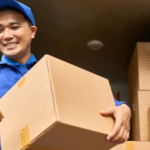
column 66, row 26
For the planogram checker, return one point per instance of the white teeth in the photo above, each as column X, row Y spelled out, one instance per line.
column 11, row 44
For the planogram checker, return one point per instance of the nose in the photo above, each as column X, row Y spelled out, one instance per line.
column 7, row 35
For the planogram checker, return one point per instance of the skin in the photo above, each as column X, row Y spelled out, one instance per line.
column 122, row 115
column 15, row 29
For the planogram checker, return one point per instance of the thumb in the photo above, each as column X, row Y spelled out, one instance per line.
column 108, row 111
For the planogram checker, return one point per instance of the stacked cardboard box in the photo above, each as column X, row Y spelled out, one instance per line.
column 131, row 145
column 139, row 90
column 56, row 105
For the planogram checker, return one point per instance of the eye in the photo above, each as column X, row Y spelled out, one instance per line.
column 15, row 27
column 1, row 30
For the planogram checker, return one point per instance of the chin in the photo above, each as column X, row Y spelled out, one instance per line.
column 11, row 56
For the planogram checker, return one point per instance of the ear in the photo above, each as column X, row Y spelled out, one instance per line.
column 33, row 31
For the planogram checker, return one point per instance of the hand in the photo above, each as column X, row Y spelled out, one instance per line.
column 122, row 115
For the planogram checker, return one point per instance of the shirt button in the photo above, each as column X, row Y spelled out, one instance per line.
column 22, row 66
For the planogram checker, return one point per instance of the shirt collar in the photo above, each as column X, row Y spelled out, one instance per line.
column 9, row 61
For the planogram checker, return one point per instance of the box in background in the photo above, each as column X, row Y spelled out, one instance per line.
column 140, row 130
column 57, row 105
column 139, row 68
column 139, row 81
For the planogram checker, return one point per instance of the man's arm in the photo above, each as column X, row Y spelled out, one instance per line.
column 122, row 114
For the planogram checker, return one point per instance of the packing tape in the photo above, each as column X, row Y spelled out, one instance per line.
column 25, row 140
column 129, row 145
column 21, row 81
column 1, row 116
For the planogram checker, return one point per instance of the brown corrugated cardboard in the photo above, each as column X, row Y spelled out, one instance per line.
column 140, row 116
column 149, row 122
column 135, row 132
column 139, row 69
column 57, row 105
column 138, row 76
column 132, row 145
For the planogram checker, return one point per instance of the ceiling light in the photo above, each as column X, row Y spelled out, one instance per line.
column 95, row 44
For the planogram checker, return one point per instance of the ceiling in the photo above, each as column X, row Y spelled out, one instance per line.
column 66, row 26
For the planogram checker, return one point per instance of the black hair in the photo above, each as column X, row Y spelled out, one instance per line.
column 18, row 11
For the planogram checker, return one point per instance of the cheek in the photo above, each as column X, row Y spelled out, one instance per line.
column 23, row 36
column 1, row 38
column 1, row 42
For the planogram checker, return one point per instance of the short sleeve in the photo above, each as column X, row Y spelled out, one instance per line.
column 118, row 103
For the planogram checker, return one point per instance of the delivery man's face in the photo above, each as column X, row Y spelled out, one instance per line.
column 15, row 34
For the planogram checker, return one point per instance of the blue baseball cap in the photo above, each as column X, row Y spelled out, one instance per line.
column 23, row 8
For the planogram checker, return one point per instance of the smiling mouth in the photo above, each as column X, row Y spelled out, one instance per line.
column 10, row 44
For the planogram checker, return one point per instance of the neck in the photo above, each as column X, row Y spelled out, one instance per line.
column 24, row 59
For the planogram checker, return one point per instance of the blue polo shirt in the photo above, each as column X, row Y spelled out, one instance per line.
column 118, row 103
column 11, row 72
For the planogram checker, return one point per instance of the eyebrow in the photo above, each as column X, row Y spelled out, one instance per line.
column 12, row 23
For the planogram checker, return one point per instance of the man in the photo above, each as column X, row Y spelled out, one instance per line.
column 17, row 29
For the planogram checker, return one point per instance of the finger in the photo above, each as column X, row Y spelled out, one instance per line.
column 118, row 137
column 128, row 127
column 126, row 132
column 128, row 135
column 108, row 111
column 124, row 138
column 116, row 129
column 123, row 135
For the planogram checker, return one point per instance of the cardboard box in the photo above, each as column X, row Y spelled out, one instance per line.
column 140, row 130
column 132, row 145
column 139, row 68
column 149, row 122
column 57, row 105
column 138, row 79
